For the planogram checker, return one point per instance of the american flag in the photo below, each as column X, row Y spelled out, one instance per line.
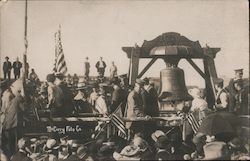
column 60, row 64
column 193, row 121
column 119, row 123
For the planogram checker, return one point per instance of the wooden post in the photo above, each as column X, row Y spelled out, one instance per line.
column 135, row 54
column 210, row 71
column 25, row 41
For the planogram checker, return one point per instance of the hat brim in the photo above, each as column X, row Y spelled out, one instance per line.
column 81, row 88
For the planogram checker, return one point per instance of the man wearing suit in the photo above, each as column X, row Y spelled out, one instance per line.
column 17, row 65
column 118, row 96
column 100, row 66
column 7, row 68
column 135, row 108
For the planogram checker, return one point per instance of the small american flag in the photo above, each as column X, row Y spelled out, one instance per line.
column 119, row 123
column 60, row 64
column 193, row 121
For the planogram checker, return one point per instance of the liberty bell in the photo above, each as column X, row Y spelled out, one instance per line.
column 172, row 84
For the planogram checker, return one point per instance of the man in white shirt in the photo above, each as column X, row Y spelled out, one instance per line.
column 222, row 96
column 113, row 70
column 86, row 68
column 101, row 105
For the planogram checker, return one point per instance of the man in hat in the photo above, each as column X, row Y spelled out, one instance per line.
column 163, row 151
column 150, row 99
column 33, row 76
column 101, row 103
column 118, row 95
column 238, row 74
column 236, row 148
column 42, row 100
column 17, row 65
column 93, row 96
column 240, row 98
column 73, row 156
column 86, row 68
column 75, row 79
column 152, row 109
column 81, row 104
column 135, row 107
column 67, row 102
column 7, row 68
column 22, row 153
column 100, row 66
column 222, row 95
column 51, row 148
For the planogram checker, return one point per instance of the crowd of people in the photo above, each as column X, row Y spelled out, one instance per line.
column 65, row 96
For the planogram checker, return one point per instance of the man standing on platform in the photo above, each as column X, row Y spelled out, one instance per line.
column 86, row 68
column 135, row 108
column 100, row 66
column 113, row 70
column 17, row 65
column 7, row 68
column 222, row 96
column 232, row 90
column 118, row 96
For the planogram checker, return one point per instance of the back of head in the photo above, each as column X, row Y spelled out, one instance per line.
column 50, row 78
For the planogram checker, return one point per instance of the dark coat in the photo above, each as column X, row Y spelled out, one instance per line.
column 17, row 66
column 134, row 109
column 153, row 109
column 118, row 97
column 20, row 156
column 7, row 66
column 98, row 65
column 67, row 99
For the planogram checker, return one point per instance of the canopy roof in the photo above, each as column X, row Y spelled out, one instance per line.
column 170, row 44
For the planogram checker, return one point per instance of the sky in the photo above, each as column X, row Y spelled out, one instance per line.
column 101, row 28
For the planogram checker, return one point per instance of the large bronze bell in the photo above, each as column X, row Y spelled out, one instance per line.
column 172, row 85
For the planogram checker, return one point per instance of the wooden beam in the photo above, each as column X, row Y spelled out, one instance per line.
column 147, row 67
column 191, row 62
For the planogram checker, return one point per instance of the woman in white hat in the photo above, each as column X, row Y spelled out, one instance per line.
column 198, row 104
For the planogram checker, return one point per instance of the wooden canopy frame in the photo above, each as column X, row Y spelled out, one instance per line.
column 193, row 51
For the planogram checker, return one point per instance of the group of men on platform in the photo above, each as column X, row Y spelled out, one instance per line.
column 17, row 66
column 7, row 66
column 100, row 66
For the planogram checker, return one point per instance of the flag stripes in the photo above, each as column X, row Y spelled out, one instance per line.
column 60, row 64
column 117, row 121
column 193, row 122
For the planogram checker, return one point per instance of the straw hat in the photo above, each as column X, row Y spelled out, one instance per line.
column 81, row 85
column 195, row 92
column 157, row 134
column 215, row 150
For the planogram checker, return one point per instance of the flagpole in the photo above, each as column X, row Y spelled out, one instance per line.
column 25, row 73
